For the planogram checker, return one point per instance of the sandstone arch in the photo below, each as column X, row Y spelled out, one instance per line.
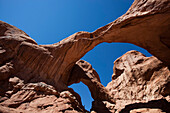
column 146, row 24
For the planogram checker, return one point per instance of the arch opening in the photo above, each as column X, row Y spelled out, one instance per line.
column 103, row 64
column 109, row 52
column 84, row 93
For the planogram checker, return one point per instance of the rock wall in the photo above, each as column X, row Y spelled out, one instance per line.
column 31, row 73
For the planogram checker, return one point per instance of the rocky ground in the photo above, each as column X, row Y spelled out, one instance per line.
column 35, row 78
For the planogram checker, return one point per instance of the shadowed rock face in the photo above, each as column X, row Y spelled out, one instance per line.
column 146, row 24
column 83, row 71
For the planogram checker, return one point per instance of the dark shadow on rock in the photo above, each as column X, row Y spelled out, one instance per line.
column 162, row 104
column 99, row 107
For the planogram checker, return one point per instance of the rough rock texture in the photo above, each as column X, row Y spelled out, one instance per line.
column 145, row 24
column 138, row 82
column 30, row 72
column 38, row 97
column 83, row 71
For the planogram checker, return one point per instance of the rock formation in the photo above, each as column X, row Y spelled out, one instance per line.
column 83, row 71
column 137, row 82
column 31, row 74
column 38, row 97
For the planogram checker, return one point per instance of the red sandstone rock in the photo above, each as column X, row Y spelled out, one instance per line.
column 138, row 82
column 145, row 24
column 30, row 73
column 83, row 71
column 38, row 97
column 149, row 19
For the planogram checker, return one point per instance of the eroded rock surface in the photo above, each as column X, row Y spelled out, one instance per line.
column 31, row 73
column 83, row 71
column 38, row 97
column 138, row 82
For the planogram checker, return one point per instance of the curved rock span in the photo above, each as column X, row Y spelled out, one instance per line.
column 31, row 72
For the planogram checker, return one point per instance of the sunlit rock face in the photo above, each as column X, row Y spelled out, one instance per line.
column 139, row 82
column 38, row 97
column 145, row 24
column 35, row 78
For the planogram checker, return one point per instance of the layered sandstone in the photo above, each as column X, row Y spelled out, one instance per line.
column 38, row 97
column 31, row 73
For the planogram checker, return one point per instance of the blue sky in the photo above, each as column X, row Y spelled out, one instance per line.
column 49, row 21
